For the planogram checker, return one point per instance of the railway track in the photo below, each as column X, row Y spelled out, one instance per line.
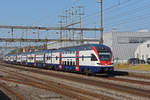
column 98, row 83
column 69, row 91
column 12, row 92
column 139, row 74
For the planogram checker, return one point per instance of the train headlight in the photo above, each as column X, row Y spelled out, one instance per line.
column 99, row 64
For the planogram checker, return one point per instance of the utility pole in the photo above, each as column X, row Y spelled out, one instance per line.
column 12, row 33
column 101, row 21
column 73, row 21
column 60, row 23
column 46, row 39
column 66, row 15
column 38, row 34
column 80, row 13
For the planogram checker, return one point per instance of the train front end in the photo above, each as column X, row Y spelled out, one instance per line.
column 104, row 56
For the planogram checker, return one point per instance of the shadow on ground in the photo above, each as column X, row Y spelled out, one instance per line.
column 112, row 74
column 3, row 96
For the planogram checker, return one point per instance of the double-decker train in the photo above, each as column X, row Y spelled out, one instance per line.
column 89, row 58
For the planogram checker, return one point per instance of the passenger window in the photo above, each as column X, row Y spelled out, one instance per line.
column 68, row 63
column 71, row 63
column 56, row 57
column 93, row 57
column 82, row 58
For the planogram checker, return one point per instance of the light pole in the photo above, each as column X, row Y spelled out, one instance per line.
column 101, row 21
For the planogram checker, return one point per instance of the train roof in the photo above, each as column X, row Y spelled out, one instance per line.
column 84, row 47
column 73, row 48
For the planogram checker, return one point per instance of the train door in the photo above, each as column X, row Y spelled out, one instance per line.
column 77, row 61
column 26, row 59
column 44, row 60
column 16, row 59
column 51, row 57
column 21, row 60
column 60, row 61
column 34, row 60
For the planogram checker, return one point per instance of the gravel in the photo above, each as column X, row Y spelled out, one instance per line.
column 133, row 78
column 32, row 93
column 99, row 90
column 133, row 71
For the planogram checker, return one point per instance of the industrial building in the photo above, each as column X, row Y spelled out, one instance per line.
column 125, row 45
column 143, row 51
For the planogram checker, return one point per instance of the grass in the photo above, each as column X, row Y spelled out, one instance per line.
column 142, row 67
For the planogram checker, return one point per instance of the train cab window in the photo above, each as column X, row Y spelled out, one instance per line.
column 65, row 63
column 93, row 57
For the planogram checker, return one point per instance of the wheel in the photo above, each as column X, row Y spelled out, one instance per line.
column 88, row 72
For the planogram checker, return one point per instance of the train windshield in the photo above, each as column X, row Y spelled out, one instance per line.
column 105, row 56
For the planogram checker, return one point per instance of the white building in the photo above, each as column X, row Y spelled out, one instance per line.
column 108, row 39
column 143, row 51
column 123, row 44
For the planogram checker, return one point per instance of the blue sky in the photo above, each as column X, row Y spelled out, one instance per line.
column 125, row 15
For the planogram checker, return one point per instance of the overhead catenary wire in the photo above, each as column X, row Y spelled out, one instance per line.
column 133, row 19
column 105, row 9
column 128, row 15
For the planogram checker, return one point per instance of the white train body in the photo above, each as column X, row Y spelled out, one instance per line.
column 93, row 57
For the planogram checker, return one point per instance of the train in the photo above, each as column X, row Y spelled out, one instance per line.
column 89, row 59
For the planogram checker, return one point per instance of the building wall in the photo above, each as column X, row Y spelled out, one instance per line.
column 108, row 39
column 143, row 51
column 124, row 44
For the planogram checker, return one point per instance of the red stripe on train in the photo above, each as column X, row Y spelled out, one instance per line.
column 105, row 63
column 77, row 61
